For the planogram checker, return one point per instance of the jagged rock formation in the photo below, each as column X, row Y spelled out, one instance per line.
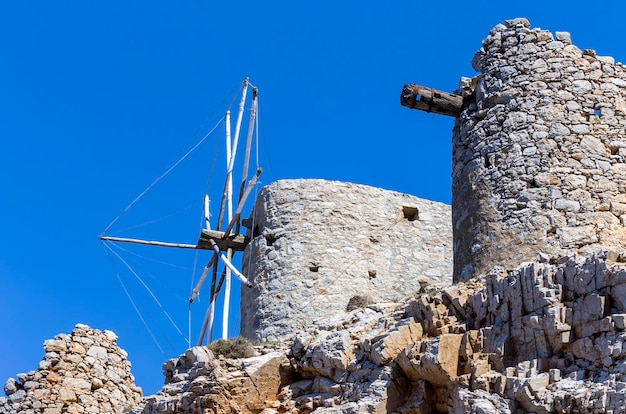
column 197, row 382
column 83, row 372
column 546, row 337
column 539, row 155
column 317, row 243
column 543, row 338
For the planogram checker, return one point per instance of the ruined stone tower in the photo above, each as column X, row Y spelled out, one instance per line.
column 539, row 152
column 318, row 243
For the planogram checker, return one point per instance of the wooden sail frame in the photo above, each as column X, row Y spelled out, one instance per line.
column 223, row 243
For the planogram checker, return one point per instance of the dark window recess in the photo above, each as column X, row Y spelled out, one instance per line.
column 270, row 239
column 410, row 213
column 247, row 223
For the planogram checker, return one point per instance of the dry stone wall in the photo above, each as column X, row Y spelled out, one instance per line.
column 83, row 372
column 316, row 244
column 539, row 155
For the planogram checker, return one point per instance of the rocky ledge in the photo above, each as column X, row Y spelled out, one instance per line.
column 547, row 337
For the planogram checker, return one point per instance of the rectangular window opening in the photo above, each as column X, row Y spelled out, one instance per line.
column 410, row 213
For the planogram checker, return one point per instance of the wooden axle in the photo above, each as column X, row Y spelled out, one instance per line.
column 431, row 100
column 236, row 242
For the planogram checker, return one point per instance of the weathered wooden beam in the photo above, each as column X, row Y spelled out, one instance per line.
column 431, row 100
column 149, row 242
column 236, row 242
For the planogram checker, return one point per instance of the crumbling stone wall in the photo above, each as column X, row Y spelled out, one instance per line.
column 317, row 243
column 84, row 372
column 539, row 155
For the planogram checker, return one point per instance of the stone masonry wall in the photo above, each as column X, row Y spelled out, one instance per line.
column 539, row 155
column 84, row 372
column 318, row 243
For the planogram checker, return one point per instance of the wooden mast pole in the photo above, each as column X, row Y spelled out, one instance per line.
column 208, row 316
column 246, row 160
column 220, row 217
column 242, row 201
column 229, row 179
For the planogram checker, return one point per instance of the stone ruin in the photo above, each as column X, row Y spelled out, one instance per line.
column 316, row 244
column 83, row 372
column 536, row 321
column 539, row 152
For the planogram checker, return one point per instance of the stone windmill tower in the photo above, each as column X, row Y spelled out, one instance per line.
column 539, row 150
column 316, row 244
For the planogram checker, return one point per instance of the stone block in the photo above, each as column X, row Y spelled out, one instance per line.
column 438, row 363
column 400, row 338
column 538, row 382
column 620, row 320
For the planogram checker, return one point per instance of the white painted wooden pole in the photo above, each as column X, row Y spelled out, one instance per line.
column 237, row 273
column 196, row 290
column 231, row 160
column 212, row 316
column 226, row 311
column 242, row 103
column 208, row 316
column 246, row 160
column 207, row 214
column 220, row 217
column 228, row 142
column 229, row 180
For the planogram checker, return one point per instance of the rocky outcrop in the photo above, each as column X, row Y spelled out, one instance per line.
column 198, row 382
column 83, row 372
column 546, row 337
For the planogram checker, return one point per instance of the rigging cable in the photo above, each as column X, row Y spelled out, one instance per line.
column 156, row 220
column 148, row 290
column 145, row 324
column 117, row 246
column 163, row 175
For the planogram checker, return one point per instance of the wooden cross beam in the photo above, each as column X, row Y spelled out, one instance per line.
column 431, row 100
column 236, row 242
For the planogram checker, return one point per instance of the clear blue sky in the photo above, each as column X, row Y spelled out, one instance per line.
column 98, row 98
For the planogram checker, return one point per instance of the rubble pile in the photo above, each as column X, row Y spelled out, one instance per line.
column 83, row 372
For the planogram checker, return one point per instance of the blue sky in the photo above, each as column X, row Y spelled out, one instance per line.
column 97, row 99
